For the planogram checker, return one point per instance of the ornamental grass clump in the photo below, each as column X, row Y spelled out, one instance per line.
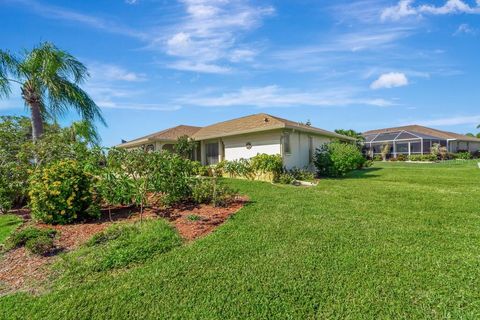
column 62, row 192
column 38, row 241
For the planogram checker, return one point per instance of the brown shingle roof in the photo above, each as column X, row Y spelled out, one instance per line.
column 170, row 134
column 255, row 123
column 424, row 130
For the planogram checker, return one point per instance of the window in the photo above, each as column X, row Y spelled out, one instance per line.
column 310, row 149
column 402, row 147
column 150, row 148
column 212, row 153
column 415, row 147
column 286, row 143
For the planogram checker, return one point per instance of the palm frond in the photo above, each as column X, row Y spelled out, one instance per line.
column 8, row 66
column 64, row 94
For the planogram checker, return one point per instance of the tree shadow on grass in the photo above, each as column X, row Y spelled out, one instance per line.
column 363, row 173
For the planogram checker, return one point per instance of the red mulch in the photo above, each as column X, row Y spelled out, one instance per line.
column 21, row 270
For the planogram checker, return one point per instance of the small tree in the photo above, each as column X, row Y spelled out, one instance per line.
column 134, row 164
column 185, row 146
column 115, row 188
column 385, row 151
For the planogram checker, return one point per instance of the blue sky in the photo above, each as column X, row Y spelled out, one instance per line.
column 362, row 64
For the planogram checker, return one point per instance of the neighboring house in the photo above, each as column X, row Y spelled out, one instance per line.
column 415, row 139
column 245, row 138
column 162, row 140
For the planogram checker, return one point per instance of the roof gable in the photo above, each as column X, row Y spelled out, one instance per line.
column 170, row 134
column 256, row 123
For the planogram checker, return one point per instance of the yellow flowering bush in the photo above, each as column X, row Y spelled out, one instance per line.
column 62, row 192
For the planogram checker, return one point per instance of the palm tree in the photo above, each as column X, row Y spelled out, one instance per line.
column 49, row 80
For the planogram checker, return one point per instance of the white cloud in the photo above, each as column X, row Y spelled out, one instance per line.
column 390, row 80
column 184, row 65
column 452, row 121
column 464, row 28
column 273, row 96
column 402, row 9
column 109, row 72
column 208, row 34
column 405, row 8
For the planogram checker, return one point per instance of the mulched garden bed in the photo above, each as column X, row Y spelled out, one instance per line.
column 21, row 270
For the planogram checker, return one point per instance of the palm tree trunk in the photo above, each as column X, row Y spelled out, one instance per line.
column 37, row 121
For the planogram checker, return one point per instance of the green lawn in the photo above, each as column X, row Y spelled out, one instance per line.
column 394, row 241
column 8, row 223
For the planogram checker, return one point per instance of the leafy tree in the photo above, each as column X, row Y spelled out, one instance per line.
column 14, row 162
column 185, row 146
column 84, row 131
column 351, row 133
column 478, row 135
column 50, row 81
column 469, row 134
column 359, row 138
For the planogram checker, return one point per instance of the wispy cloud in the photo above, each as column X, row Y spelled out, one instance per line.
column 274, row 96
column 465, row 29
column 406, row 8
column 137, row 106
column 208, row 34
column 390, row 80
column 60, row 13
column 102, row 72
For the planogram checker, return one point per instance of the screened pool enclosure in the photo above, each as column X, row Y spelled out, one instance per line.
column 402, row 142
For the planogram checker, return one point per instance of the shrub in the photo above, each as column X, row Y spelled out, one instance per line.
column 301, row 174
column 465, row 155
column 286, row 178
column 171, row 175
column 377, row 157
column 62, row 193
column 422, row 157
column 121, row 245
column 254, row 167
column 267, row 163
column 40, row 245
column 402, row 157
column 200, row 170
column 185, row 147
column 193, row 217
column 241, row 168
column 208, row 191
column 38, row 241
column 337, row 159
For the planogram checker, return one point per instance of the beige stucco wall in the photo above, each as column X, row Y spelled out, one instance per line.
column 299, row 156
column 264, row 142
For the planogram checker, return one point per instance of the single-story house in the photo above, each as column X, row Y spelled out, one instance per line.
column 245, row 138
column 415, row 139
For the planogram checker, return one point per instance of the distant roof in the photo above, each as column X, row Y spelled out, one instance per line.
column 170, row 134
column 256, row 123
column 424, row 132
